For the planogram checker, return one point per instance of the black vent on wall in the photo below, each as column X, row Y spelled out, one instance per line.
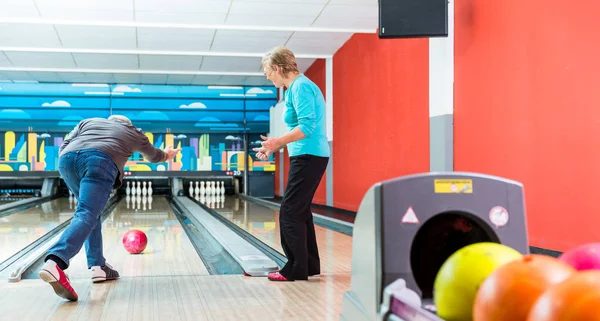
column 413, row 18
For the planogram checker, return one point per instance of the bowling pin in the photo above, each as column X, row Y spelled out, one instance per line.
column 202, row 188
column 222, row 188
column 149, row 188
column 191, row 190
column 133, row 191
column 197, row 188
column 139, row 188
column 127, row 190
column 144, row 190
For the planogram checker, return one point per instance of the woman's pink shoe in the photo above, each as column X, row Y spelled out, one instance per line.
column 275, row 276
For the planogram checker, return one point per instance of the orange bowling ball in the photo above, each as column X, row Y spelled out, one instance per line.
column 510, row 291
column 575, row 299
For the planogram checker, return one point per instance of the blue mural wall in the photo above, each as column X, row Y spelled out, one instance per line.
column 207, row 122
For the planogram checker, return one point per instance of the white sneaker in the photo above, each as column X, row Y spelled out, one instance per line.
column 104, row 273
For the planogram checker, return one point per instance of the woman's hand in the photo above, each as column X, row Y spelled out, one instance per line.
column 262, row 153
column 271, row 144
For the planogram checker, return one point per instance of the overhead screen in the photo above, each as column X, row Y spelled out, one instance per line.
column 413, row 18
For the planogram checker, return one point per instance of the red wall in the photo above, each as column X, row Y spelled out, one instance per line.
column 527, row 107
column 380, row 114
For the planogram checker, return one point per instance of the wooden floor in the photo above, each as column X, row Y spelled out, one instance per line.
column 22, row 228
column 173, row 298
column 169, row 251
column 170, row 282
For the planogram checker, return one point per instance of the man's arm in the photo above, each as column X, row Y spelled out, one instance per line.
column 152, row 153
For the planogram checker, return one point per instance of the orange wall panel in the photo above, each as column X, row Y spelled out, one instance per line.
column 527, row 108
column 380, row 114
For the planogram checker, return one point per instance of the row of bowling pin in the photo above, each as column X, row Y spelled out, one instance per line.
column 140, row 201
column 139, row 190
column 211, row 201
column 212, row 188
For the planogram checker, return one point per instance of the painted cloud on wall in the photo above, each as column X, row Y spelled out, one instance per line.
column 57, row 103
column 126, row 89
column 14, row 114
column 256, row 90
column 194, row 105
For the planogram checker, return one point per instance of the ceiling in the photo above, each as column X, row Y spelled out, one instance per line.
column 203, row 42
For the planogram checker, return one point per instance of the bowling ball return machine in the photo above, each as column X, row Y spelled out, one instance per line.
column 407, row 227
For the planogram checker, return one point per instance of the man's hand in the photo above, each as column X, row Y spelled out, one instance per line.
column 171, row 153
column 262, row 153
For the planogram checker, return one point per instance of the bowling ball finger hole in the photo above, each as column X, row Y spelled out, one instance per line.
column 440, row 237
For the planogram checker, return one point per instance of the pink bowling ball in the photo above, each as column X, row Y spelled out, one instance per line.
column 135, row 241
column 583, row 257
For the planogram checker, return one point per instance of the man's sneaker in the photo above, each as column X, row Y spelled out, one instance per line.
column 104, row 273
column 56, row 277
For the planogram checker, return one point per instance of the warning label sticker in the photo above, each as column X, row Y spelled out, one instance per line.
column 410, row 217
column 453, row 186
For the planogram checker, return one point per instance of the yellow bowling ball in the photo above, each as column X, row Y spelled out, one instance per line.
column 460, row 276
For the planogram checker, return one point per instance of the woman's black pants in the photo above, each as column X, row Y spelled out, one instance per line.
column 295, row 217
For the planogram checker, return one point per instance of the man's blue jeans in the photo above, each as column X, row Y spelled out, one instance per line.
column 90, row 175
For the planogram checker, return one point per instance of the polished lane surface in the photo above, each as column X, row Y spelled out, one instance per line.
column 169, row 251
column 20, row 229
column 335, row 249
column 161, row 294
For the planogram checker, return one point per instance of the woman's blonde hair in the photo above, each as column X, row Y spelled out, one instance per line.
column 282, row 57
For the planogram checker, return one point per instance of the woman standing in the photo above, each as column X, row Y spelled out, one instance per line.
column 309, row 153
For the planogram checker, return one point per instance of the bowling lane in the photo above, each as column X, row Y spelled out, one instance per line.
column 20, row 229
column 262, row 222
column 169, row 251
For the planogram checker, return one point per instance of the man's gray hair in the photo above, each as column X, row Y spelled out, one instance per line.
column 120, row 118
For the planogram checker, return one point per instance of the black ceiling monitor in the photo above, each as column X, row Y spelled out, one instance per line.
column 413, row 18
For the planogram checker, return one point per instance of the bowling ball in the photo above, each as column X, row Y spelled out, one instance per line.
column 461, row 274
column 574, row 299
column 583, row 257
column 509, row 292
column 135, row 241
